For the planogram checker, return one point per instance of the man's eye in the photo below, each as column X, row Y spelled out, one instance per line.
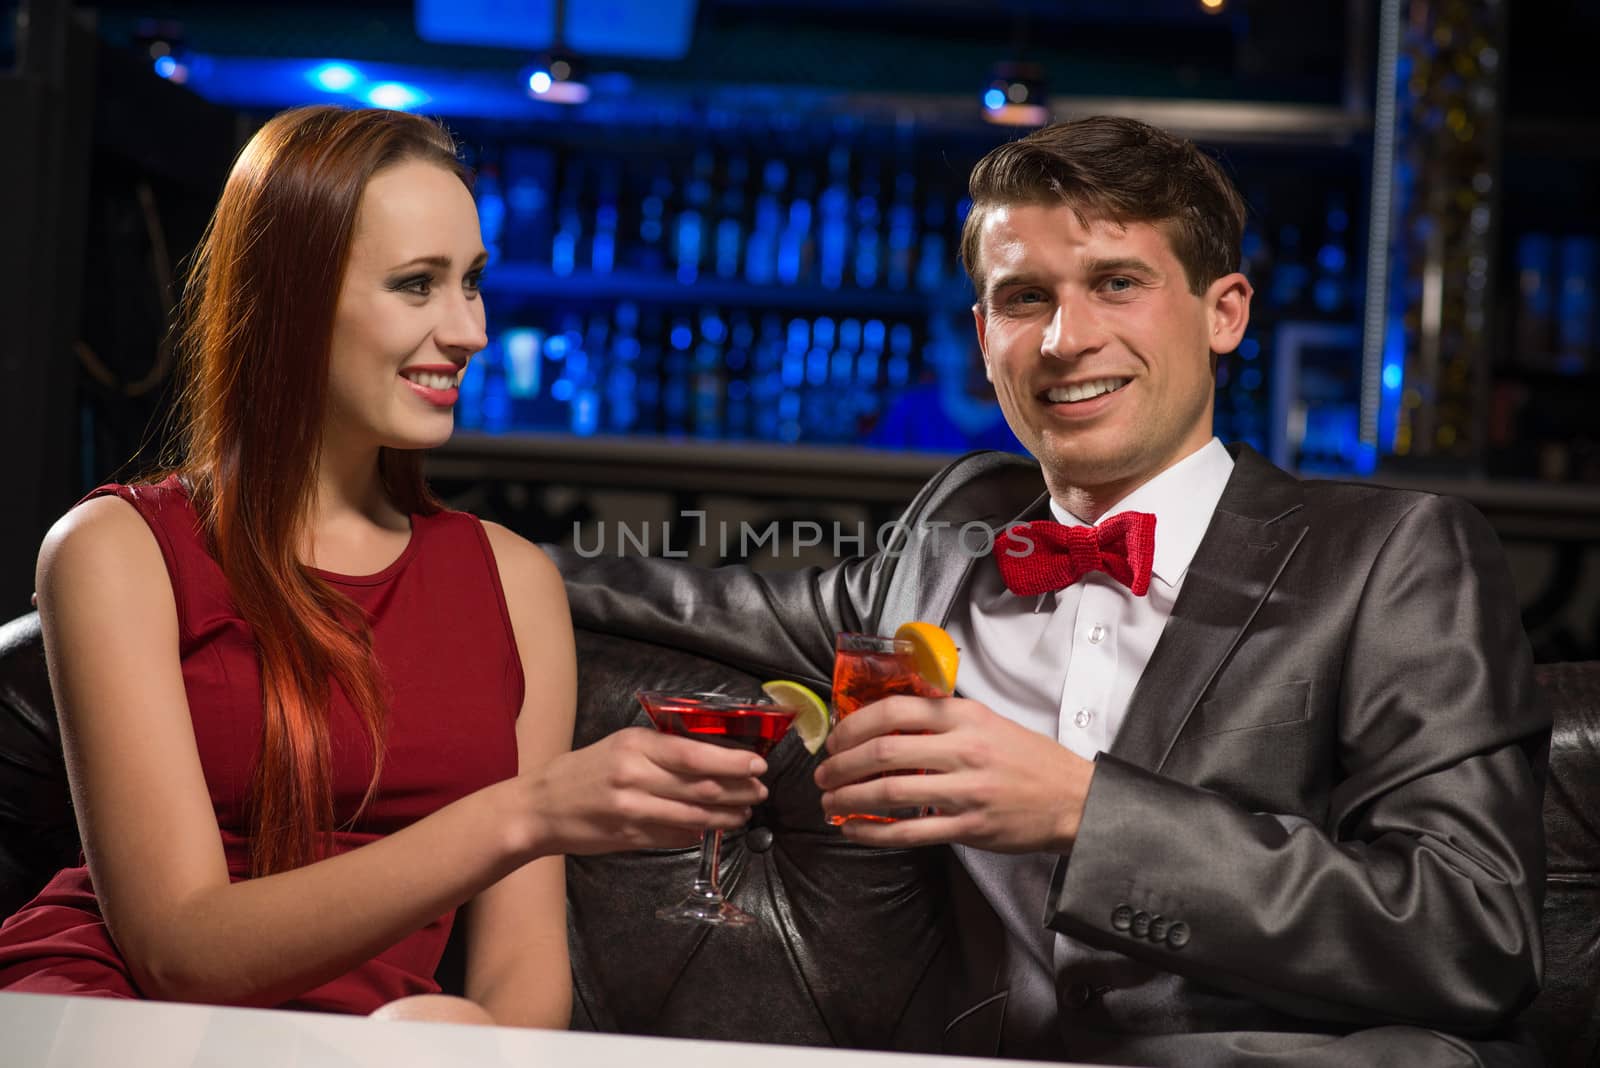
column 1119, row 284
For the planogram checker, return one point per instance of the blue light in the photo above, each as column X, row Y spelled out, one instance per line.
column 1391, row 376
column 562, row 389
column 166, row 66
column 682, row 337
column 539, row 81
column 396, row 96
column 994, row 99
column 334, row 77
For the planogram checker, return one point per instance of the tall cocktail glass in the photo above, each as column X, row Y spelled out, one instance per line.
column 753, row 725
column 868, row 668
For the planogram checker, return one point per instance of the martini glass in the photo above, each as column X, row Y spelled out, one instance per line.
column 753, row 725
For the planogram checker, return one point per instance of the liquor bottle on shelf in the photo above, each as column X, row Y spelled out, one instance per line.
column 603, row 252
column 690, row 226
column 1575, row 306
column 794, row 244
column 739, row 363
column 898, row 369
column 902, row 231
column 710, row 387
column 565, row 257
column 1331, row 290
column 761, row 251
column 675, row 380
column 730, row 224
column 766, row 380
column 867, row 263
column 1290, row 275
column 491, row 210
column 834, row 237
column 1536, row 299
column 528, row 175
column 931, row 265
column 651, row 332
column 649, row 253
column 819, row 403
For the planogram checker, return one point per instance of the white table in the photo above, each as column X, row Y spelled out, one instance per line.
column 39, row 1031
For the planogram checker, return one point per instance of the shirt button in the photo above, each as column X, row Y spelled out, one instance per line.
column 1082, row 718
column 1097, row 633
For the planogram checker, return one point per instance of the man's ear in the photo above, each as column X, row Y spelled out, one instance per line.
column 1228, row 311
column 983, row 342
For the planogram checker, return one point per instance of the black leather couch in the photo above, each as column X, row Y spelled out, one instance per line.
column 855, row 947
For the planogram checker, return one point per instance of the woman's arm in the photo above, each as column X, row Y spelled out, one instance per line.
column 150, row 834
column 517, row 966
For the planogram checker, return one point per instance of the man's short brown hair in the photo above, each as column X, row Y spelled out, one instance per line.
column 1115, row 170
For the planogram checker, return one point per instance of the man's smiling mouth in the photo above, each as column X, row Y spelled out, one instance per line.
column 1082, row 391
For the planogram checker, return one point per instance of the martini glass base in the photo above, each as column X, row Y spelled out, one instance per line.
column 705, row 907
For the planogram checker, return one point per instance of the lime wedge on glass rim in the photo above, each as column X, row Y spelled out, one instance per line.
column 810, row 714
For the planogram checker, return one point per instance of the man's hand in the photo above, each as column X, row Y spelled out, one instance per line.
column 994, row 785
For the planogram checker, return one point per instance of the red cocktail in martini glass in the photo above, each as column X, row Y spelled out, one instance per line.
column 754, row 725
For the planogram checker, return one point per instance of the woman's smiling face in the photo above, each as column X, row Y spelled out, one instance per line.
column 409, row 315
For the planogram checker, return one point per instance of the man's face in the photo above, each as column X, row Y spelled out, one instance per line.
column 1099, row 353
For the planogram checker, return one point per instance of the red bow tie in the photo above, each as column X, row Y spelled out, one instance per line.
column 1045, row 556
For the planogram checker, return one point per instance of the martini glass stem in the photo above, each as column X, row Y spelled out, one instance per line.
column 705, row 884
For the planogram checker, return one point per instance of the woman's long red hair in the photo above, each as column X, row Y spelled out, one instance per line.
column 255, row 340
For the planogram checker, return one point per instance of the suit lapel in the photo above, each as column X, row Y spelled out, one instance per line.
column 1256, row 529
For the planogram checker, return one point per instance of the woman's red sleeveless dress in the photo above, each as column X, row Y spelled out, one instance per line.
column 443, row 638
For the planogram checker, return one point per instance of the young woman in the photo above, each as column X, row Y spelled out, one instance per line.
column 306, row 711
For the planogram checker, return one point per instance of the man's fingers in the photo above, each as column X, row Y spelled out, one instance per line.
column 892, row 715
column 891, row 793
column 889, row 752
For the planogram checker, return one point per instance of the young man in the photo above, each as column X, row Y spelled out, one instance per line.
column 1270, row 793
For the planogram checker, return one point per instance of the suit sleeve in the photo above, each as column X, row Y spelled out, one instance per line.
column 1418, row 899
column 765, row 623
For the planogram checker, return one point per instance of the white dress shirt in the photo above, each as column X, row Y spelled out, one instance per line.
column 1065, row 664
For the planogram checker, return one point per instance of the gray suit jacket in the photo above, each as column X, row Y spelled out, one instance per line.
column 1321, row 815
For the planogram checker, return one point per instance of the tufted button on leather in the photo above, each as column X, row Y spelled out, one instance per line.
column 1178, row 935
column 759, row 839
column 1141, row 924
column 1077, row 995
column 1158, row 928
column 1122, row 917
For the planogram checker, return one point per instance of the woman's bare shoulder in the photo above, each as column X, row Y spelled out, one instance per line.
column 525, row 569
column 102, row 543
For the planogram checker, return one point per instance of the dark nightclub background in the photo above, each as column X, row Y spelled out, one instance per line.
column 725, row 286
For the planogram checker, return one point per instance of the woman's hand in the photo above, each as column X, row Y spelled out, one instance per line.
column 639, row 789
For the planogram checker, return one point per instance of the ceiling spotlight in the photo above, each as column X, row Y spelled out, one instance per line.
column 1015, row 95
column 556, row 79
column 1212, row 7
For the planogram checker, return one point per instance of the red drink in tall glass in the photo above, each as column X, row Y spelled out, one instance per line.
column 868, row 668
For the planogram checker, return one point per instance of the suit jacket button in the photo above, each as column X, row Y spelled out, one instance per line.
column 1158, row 928
column 759, row 839
column 1122, row 917
column 1178, row 935
column 1141, row 924
column 1077, row 996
